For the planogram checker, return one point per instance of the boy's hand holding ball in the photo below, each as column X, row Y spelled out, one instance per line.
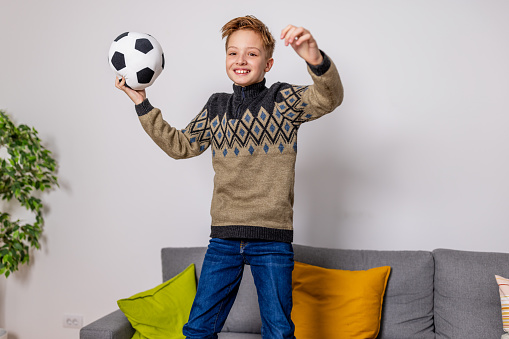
column 136, row 96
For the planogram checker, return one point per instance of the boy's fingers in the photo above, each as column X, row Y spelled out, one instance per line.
column 296, row 34
column 119, row 83
column 285, row 30
column 303, row 38
column 288, row 35
column 302, row 42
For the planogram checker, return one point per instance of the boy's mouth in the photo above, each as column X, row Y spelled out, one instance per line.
column 242, row 71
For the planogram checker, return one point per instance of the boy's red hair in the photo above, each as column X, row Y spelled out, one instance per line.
column 252, row 23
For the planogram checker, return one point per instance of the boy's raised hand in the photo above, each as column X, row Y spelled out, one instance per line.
column 303, row 43
column 136, row 96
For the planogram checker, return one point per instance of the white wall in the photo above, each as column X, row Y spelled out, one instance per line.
column 415, row 158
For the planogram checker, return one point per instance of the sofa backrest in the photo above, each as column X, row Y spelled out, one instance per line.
column 467, row 301
column 408, row 304
column 176, row 259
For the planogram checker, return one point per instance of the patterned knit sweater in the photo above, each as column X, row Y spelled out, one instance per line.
column 252, row 133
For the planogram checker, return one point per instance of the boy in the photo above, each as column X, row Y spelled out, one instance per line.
column 253, row 135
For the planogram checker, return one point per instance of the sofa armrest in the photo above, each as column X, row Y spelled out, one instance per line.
column 112, row 326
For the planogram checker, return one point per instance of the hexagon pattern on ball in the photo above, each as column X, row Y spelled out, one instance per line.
column 118, row 61
column 143, row 45
column 145, row 75
column 138, row 57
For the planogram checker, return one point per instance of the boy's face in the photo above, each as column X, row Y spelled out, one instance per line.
column 246, row 59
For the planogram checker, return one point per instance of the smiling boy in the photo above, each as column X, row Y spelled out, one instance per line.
column 246, row 59
column 252, row 133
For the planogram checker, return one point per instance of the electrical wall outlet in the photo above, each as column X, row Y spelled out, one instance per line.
column 73, row 321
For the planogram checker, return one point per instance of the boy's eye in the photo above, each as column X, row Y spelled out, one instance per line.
column 251, row 54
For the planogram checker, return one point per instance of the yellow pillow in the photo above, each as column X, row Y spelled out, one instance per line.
column 337, row 304
column 162, row 312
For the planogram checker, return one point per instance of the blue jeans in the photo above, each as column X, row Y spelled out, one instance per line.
column 271, row 265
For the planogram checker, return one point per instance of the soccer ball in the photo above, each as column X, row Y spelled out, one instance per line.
column 138, row 58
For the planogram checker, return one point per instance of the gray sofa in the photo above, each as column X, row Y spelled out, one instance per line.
column 438, row 294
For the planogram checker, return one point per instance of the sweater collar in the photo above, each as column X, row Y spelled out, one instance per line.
column 250, row 91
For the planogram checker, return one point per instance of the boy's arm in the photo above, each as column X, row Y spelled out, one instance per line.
column 326, row 93
column 178, row 144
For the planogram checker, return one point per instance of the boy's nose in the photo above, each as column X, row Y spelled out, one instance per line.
column 241, row 60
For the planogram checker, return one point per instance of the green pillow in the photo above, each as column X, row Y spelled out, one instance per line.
column 162, row 311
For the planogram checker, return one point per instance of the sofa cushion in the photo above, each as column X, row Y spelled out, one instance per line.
column 467, row 301
column 333, row 303
column 162, row 311
column 408, row 304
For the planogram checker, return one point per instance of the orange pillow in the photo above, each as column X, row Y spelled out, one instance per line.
column 336, row 304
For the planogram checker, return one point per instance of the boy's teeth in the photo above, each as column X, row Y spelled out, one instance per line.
column 242, row 72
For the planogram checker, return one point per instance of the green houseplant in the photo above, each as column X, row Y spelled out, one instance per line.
column 26, row 168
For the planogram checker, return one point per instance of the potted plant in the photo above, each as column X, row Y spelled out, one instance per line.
column 26, row 168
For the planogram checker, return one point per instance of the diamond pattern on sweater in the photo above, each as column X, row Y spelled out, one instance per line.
column 268, row 132
column 198, row 130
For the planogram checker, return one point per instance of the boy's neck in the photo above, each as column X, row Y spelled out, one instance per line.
column 251, row 90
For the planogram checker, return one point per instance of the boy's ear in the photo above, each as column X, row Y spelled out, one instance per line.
column 269, row 65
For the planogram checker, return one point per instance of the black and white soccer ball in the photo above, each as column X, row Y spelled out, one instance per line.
column 137, row 57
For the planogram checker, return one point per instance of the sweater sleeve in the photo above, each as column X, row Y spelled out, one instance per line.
column 307, row 103
column 326, row 93
column 178, row 144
